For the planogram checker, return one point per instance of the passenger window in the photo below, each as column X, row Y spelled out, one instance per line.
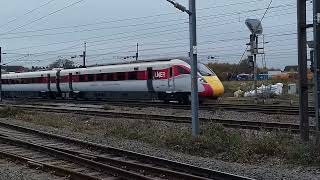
column 99, row 77
column 121, row 76
column 141, row 75
column 53, row 79
column 82, row 78
column 110, row 77
column 133, row 75
column 90, row 77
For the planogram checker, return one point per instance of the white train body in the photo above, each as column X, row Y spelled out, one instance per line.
column 164, row 79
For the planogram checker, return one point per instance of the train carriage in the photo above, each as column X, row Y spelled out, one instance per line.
column 165, row 79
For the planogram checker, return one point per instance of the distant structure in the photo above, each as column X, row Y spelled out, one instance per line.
column 15, row 69
column 291, row 68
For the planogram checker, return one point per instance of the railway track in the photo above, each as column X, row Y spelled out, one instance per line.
column 238, row 124
column 266, row 109
column 78, row 159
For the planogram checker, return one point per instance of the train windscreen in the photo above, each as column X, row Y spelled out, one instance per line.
column 204, row 70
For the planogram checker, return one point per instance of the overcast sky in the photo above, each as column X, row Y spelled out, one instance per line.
column 38, row 31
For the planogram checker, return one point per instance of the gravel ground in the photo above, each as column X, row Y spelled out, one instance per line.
column 247, row 116
column 273, row 169
column 12, row 171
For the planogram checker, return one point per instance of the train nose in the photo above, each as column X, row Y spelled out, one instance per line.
column 215, row 84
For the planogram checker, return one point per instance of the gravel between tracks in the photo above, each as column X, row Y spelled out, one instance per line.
column 12, row 171
column 248, row 116
column 272, row 169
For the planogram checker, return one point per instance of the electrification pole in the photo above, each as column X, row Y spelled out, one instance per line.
column 194, row 68
column 137, row 53
column 302, row 62
column 0, row 74
column 316, row 61
column 84, row 54
column 194, row 62
column 255, row 67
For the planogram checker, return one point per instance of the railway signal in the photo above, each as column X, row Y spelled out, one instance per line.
column 255, row 27
column 194, row 61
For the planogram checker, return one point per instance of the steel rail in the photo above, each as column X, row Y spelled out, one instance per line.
column 266, row 109
column 185, row 171
column 239, row 124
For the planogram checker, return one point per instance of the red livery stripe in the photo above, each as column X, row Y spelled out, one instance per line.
column 208, row 91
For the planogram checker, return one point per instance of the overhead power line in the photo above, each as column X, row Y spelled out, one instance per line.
column 38, row 19
column 201, row 18
column 29, row 12
column 72, row 41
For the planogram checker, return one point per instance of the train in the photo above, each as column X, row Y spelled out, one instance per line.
column 164, row 79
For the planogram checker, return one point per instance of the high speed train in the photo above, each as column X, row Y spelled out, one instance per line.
column 163, row 79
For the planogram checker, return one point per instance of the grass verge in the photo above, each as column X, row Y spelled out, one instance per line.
column 215, row 140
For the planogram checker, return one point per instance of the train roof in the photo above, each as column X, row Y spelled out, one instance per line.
column 90, row 68
column 186, row 59
column 29, row 74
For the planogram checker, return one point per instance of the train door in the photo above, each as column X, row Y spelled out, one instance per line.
column 171, row 79
column 150, row 79
column 58, row 82
column 70, row 82
column 48, row 82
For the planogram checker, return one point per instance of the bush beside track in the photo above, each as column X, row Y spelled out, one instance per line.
column 215, row 141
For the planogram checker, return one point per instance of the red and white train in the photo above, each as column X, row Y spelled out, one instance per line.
column 164, row 79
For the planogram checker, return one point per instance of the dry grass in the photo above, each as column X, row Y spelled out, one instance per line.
column 215, row 141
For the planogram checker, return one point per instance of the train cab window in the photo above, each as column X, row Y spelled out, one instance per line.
column 132, row 75
column 90, row 77
column 182, row 70
column 121, row 76
column 204, row 70
column 82, row 78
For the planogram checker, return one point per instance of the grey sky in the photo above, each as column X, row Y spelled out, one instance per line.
column 160, row 30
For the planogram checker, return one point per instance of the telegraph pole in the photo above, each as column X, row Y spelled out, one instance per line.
column 194, row 62
column 84, row 54
column 316, row 62
column 302, row 62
